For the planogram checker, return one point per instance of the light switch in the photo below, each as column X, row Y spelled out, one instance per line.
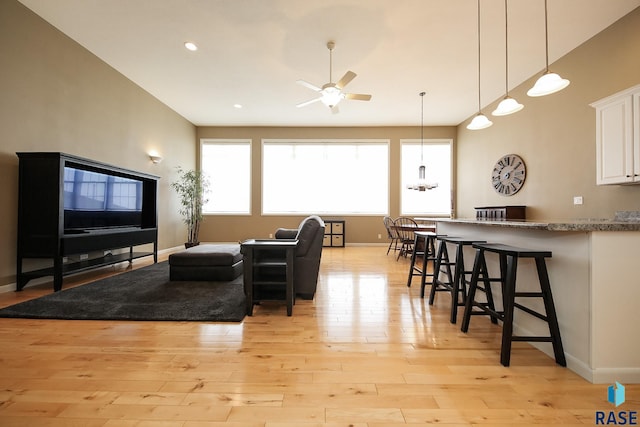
column 577, row 200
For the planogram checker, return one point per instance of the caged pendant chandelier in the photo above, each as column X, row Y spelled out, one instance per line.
column 508, row 105
column 549, row 82
column 422, row 184
column 480, row 121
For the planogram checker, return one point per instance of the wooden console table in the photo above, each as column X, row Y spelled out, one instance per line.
column 268, row 264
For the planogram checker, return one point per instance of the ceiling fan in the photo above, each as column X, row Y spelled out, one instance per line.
column 331, row 93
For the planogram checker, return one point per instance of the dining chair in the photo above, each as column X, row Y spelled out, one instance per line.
column 392, row 234
column 405, row 227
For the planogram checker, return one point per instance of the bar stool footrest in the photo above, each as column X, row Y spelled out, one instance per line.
column 498, row 315
column 531, row 312
column 529, row 294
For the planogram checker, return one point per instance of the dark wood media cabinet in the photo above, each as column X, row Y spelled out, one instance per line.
column 42, row 216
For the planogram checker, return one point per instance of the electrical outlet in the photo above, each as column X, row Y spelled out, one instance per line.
column 271, row 235
column 577, row 200
column 379, row 236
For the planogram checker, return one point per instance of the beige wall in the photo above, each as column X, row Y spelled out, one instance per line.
column 359, row 229
column 555, row 135
column 56, row 96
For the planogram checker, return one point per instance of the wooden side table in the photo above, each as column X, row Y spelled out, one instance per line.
column 268, row 263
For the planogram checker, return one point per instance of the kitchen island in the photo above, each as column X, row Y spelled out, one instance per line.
column 595, row 279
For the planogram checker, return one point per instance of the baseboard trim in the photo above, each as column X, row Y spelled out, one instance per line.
column 628, row 375
column 367, row 244
column 624, row 375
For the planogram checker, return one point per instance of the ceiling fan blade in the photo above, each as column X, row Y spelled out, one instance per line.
column 304, row 104
column 335, row 109
column 357, row 96
column 348, row 76
column 309, row 85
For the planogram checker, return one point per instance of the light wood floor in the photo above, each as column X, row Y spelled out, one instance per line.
column 366, row 352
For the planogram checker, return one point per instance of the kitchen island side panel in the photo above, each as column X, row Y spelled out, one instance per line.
column 569, row 273
column 615, row 311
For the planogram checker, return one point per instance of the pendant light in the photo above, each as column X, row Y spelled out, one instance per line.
column 480, row 121
column 549, row 82
column 422, row 184
column 508, row 105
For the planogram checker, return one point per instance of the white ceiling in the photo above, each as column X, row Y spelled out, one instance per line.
column 251, row 52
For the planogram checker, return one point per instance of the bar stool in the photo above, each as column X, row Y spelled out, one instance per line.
column 509, row 257
column 458, row 286
column 424, row 248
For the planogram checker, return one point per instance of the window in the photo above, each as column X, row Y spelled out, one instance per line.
column 325, row 177
column 437, row 159
column 227, row 164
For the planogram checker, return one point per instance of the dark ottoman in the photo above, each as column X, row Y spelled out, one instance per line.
column 221, row 262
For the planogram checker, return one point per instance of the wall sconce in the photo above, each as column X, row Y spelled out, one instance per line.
column 155, row 157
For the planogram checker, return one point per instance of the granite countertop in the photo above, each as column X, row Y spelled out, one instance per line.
column 617, row 224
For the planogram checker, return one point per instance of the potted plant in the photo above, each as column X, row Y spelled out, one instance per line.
column 192, row 187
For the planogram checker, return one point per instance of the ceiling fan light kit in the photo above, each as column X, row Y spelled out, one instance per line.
column 331, row 96
column 331, row 93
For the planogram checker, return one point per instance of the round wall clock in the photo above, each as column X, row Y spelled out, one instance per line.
column 508, row 175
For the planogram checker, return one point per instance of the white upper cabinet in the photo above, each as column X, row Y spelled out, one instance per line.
column 618, row 138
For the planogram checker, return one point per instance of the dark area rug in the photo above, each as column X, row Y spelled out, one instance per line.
column 142, row 294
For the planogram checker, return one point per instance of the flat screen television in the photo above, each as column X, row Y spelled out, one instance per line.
column 97, row 200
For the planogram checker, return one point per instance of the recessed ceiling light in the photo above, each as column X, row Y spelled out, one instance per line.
column 238, row 106
column 191, row 46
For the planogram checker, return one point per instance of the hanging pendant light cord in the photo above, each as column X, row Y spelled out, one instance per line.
column 479, row 56
column 330, row 64
column 546, row 37
column 422, row 128
column 506, row 50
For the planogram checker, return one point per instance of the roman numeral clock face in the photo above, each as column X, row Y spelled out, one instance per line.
column 508, row 175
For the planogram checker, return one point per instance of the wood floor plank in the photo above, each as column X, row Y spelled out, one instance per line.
column 366, row 352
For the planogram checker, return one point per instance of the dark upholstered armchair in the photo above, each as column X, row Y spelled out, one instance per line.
column 310, row 234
